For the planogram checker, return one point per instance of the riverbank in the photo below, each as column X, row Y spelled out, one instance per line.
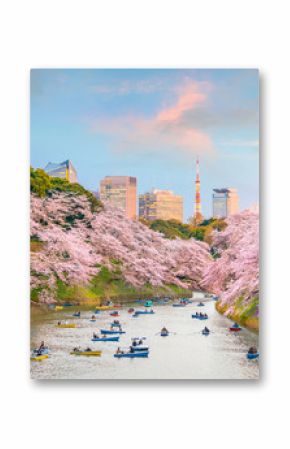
column 107, row 289
column 244, row 316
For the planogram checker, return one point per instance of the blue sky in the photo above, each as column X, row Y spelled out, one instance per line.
column 151, row 124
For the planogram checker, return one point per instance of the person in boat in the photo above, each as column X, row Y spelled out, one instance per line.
column 93, row 317
column 116, row 322
column 95, row 335
column 88, row 350
column 134, row 343
column 41, row 347
column 140, row 341
column 164, row 331
column 252, row 350
column 59, row 323
column 118, row 350
column 206, row 329
column 131, row 349
column 76, row 349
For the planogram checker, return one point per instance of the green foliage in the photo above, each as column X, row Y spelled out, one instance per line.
column 251, row 309
column 173, row 228
column 71, row 218
column 42, row 185
column 111, row 285
column 39, row 182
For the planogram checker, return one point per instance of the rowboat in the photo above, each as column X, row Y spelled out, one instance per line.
column 39, row 358
column 235, row 328
column 252, row 356
column 140, row 348
column 180, row 304
column 144, row 312
column 198, row 317
column 105, row 331
column 200, row 304
column 66, row 326
column 205, row 332
column 58, row 308
column 106, row 339
column 164, row 334
column 77, row 314
column 87, row 353
column 114, row 314
column 104, row 307
column 43, row 351
column 132, row 354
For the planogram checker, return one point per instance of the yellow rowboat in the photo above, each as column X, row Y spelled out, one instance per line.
column 104, row 308
column 87, row 353
column 58, row 308
column 38, row 358
column 66, row 326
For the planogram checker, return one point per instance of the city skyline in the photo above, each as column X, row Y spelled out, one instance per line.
column 151, row 124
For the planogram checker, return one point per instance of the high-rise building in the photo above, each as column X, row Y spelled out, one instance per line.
column 161, row 205
column 121, row 192
column 64, row 170
column 198, row 217
column 225, row 202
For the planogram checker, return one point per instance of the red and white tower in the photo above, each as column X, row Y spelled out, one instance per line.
column 197, row 210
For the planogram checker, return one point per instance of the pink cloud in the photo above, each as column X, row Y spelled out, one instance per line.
column 189, row 98
column 164, row 131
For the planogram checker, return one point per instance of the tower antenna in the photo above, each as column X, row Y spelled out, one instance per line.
column 197, row 210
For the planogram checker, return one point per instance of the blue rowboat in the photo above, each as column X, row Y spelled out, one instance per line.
column 105, row 331
column 43, row 351
column 77, row 314
column 140, row 348
column 179, row 305
column 199, row 317
column 115, row 324
column 164, row 334
column 106, row 339
column 132, row 354
column 144, row 312
column 200, row 304
column 252, row 356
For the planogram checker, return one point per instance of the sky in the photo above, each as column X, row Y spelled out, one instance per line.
column 151, row 124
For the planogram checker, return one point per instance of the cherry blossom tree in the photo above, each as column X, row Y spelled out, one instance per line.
column 76, row 242
column 235, row 272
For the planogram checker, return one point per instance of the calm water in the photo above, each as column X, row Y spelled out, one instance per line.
column 184, row 355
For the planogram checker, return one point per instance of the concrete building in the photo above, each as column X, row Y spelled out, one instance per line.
column 64, row 170
column 161, row 205
column 120, row 191
column 225, row 202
